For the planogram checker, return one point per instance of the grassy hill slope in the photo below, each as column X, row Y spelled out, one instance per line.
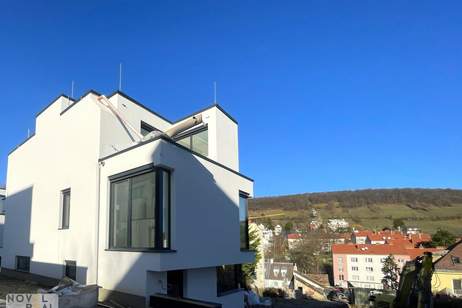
column 428, row 209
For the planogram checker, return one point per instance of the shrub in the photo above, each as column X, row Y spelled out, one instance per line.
column 273, row 292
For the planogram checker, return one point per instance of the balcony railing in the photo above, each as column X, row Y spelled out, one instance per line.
column 165, row 301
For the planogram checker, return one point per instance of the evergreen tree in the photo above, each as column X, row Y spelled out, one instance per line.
column 443, row 238
column 390, row 272
column 249, row 269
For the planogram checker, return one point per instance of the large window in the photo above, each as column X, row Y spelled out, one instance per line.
column 243, row 220
column 229, row 278
column 65, row 208
column 196, row 140
column 140, row 209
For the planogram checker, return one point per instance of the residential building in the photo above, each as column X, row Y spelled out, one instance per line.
column 294, row 239
column 360, row 265
column 447, row 276
column 315, row 224
column 2, row 215
column 279, row 275
column 389, row 237
column 111, row 193
column 337, row 224
column 412, row 230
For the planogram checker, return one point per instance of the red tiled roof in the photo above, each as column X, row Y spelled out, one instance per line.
column 421, row 237
column 380, row 249
column 294, row 236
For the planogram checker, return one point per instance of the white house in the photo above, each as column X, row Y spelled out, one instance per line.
column 111, row 193
column 336, row 224
column 2, row 214
column 279, row 275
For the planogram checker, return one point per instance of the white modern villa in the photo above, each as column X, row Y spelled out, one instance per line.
column 108, row 192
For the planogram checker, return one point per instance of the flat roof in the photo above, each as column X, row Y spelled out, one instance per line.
column 74, row 102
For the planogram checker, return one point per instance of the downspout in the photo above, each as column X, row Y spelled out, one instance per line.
column 98, row 196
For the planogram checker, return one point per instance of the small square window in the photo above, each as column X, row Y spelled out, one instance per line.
column 23, row 264
column 70, row 270
column 455, row 260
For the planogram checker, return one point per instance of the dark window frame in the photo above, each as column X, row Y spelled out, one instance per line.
column 65, row 192
column 147, row 127
column 158, row 209
column 68, row 264
column 28, row 264
column 245, row 195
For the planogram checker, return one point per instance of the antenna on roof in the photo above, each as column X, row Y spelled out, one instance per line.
column 120, row 76
column 72, row 89
column 214, row 92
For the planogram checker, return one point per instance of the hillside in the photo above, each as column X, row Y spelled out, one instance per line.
column 428, row 209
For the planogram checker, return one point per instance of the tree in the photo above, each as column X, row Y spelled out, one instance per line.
column 443, row 238
column 288, row 227
column 307, row 253
column 390, row 272
column 249, row 269
column 398, row 223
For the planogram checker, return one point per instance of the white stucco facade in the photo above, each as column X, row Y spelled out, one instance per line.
column 79, row 146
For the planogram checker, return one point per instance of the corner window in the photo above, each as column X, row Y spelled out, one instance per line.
column 243, row 220
column 196, row 140
column 140, row 209
column 229, row 278
column 65, row 208
column 70, row 270
column 146, row 128
column 23, row 264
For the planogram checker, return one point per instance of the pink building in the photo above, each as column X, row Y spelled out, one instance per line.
column 360, row 265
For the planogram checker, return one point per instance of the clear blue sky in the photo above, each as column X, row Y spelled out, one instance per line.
column 329, row 95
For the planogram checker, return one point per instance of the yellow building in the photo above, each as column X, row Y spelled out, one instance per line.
column 447, row 277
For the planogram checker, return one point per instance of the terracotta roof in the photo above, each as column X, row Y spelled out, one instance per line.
column 294, row 236
column 401, row 242
column 421, row 237
column 452, row 260
column 376, row 237
column 379, row 249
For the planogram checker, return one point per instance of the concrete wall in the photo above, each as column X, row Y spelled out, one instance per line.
column 62, row 154
column 202, row 285
column 114, row 137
